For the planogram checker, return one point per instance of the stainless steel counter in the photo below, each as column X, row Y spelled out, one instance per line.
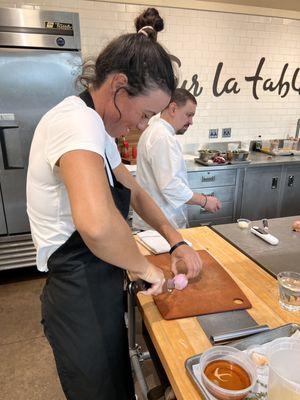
column 264, row 159
column 257, row 159
column 285, row 256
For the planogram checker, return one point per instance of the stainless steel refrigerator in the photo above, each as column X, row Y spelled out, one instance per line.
column 39, row 61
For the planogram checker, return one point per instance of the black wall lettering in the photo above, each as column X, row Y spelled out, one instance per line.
column 230, row 86
column 175, row 59
column 195, row 86
column 255, row 78
column 297, row 89
column 283, row 86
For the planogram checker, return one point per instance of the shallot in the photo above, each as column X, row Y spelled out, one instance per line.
column 180, row 281
column 296, row 226
column 219, row 160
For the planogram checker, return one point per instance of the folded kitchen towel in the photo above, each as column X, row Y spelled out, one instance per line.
column 154, row 242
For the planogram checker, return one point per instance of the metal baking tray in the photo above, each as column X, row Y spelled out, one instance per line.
column 232, row 162
column 243, row 344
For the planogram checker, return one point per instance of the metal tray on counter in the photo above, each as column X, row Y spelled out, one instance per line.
column 232, row 162
column 258, row 339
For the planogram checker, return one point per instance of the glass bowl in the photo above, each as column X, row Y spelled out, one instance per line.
column 243, row 223
column 232, row 372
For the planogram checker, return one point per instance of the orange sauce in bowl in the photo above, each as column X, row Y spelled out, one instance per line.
column 227, row 375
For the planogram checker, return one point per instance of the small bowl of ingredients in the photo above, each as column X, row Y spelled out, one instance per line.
column 227, row 373
column 243, row 223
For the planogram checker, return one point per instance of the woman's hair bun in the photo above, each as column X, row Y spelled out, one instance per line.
column 149, row 17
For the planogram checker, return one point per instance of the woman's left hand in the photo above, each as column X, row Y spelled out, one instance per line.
column 190, row 258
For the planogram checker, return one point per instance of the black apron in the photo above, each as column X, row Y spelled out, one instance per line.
column 83, row 316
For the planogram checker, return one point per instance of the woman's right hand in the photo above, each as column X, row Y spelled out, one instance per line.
column 155, row 276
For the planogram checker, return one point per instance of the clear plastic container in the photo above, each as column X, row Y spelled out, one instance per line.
column 234, row 356
column 243, row 223
column 284, row 369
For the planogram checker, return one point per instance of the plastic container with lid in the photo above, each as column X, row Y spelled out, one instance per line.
column 237, row 361
column 284, row 369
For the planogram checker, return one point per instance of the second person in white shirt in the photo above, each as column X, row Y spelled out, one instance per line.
column 161, row 169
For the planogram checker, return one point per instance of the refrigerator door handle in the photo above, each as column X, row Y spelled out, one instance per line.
column 11, row 157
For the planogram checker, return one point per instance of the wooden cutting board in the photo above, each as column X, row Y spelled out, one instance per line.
column 214, row 291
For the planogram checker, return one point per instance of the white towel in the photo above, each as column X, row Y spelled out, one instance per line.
column 154, row 242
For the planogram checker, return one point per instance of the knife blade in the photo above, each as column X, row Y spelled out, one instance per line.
column 239, row 333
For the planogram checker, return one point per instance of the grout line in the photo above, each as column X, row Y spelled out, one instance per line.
column 22, row 341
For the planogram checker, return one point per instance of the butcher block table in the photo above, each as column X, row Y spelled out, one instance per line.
column 177, row 340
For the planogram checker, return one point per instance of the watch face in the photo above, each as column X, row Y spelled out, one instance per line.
column 263, row 232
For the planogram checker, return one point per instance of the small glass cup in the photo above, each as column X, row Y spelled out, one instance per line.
column 243, row 223
column 289, row 290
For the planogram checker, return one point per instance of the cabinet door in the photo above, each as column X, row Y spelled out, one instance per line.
column 3, row 230
column 291, row 192
column 31, row 82
column 261, row 192
column 223, row 193
column 13, row 184
column 210, row 222
column 196, row 215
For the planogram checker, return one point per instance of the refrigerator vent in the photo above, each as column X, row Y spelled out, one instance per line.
column 17, row 252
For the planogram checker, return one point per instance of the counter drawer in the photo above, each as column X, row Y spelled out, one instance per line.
column 224, row 194
column 195, row 212
column 212, row 178
column 210, row 222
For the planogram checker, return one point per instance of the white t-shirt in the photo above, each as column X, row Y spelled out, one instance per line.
column 161, row 171
column 70, row 125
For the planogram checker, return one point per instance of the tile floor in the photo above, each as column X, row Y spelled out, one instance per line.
column 27, row 369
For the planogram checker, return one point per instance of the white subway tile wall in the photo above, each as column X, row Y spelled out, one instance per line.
column 203, row 39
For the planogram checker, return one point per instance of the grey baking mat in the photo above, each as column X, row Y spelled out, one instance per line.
column 214, row 324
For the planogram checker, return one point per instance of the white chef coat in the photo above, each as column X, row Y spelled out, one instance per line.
column 70, row 125
column 161, row 171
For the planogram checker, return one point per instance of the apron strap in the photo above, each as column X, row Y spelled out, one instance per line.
column 87, row 98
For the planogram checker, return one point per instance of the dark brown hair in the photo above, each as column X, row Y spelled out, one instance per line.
column 181, row 96
column 150, row 17
column 140, row 57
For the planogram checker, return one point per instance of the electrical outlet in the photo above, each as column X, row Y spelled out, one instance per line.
column 213, row 133
column 226, row 132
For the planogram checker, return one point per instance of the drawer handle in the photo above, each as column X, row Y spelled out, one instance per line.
column 274, row 183
column 291, row 180
column 209, row 194
column 208, row 179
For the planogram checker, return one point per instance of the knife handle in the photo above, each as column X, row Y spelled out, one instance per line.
column 265, row 224
column 138, row 286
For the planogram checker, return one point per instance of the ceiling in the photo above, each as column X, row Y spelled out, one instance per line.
column 277, row 4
